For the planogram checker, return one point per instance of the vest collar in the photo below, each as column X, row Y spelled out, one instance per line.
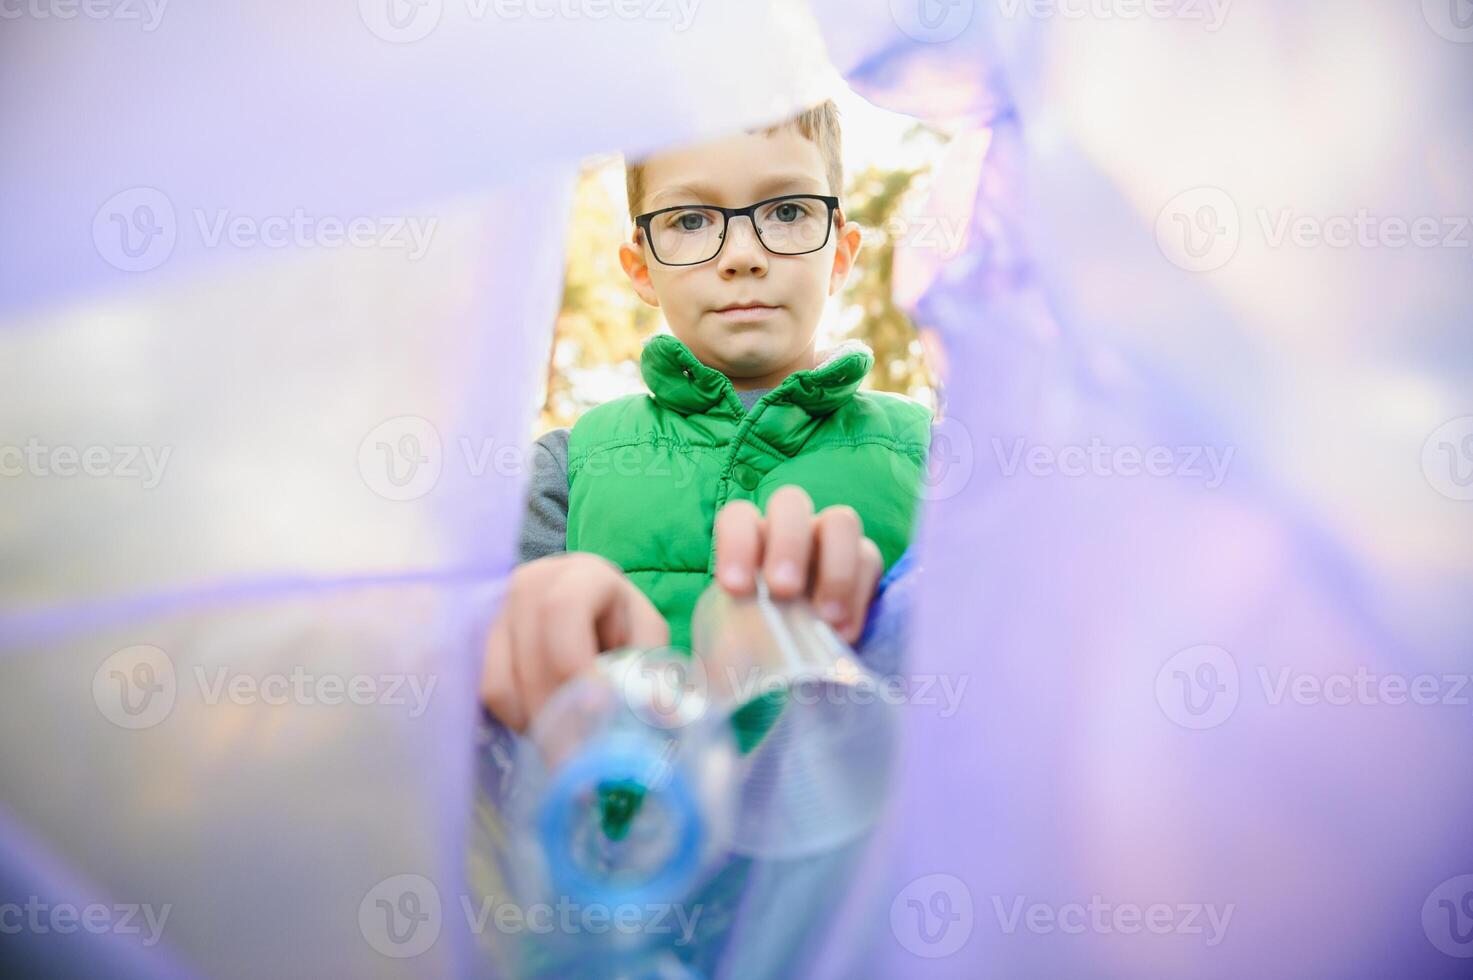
column 680, row 382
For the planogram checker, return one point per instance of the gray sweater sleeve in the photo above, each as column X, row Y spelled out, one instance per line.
column 545, row 522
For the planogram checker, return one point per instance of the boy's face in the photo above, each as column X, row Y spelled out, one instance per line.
column 755, row 348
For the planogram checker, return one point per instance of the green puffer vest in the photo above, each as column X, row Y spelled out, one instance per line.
column 647, row 474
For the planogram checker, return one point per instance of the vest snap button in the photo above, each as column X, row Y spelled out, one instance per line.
column 745, row 476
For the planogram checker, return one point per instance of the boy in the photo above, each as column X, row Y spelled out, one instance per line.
column 750, row 452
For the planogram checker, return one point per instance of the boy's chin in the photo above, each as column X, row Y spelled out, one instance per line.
column 745, row 350
column 749, row 352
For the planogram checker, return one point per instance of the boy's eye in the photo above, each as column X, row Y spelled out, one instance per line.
column 788, row 211
column 689, row 221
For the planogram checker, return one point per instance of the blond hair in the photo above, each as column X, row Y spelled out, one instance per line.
column 819, row 123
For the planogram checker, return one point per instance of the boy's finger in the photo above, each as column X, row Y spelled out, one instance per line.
column 871, row 567
column 571, row 609
column 788, row 541
column 531, row 612
column 838, row 531
column 738, row 546
column 498, row 683
column 639, row 625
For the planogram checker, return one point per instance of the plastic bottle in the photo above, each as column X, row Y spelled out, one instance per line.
column 816, row 727
column 628, row 786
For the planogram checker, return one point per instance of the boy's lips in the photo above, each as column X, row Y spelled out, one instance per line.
column 743, row 312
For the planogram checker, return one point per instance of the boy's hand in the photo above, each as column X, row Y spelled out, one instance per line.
column 559, row 613
column 825, row 557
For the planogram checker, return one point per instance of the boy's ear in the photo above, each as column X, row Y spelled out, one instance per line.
column 850, row 238
column 631, row 257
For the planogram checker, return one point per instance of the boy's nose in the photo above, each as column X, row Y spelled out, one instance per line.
column 742, row 251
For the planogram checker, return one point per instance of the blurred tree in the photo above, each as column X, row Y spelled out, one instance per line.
column 875, row 201
column 601, row 323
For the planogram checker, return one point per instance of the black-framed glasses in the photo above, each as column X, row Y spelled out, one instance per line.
column 689, row 234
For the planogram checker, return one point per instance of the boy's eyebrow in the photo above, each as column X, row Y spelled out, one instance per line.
column 705, row 195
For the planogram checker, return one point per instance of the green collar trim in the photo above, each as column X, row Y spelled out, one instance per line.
column 680, row 382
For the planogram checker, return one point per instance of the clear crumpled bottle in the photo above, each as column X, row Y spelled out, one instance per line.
column 817, row 728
